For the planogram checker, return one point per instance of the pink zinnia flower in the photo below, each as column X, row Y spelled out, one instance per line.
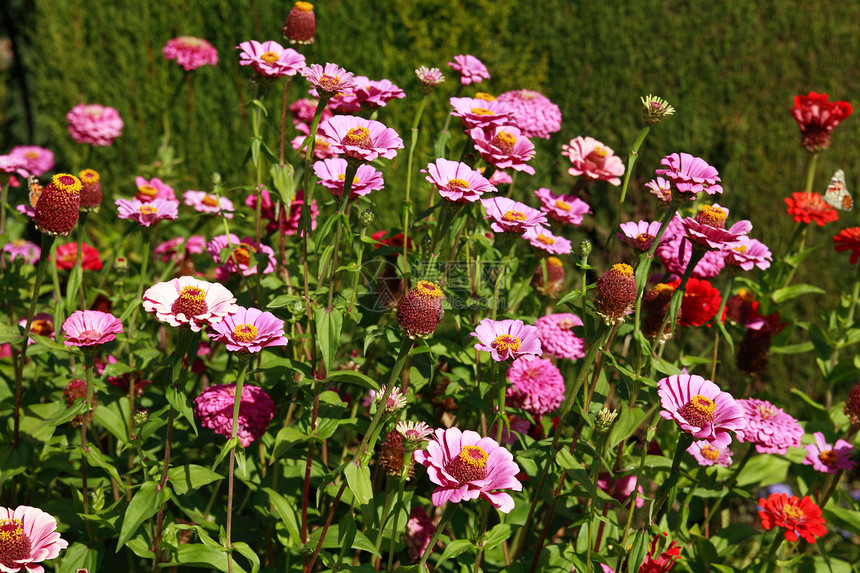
column 499, row 177
column 188, row 301
column 564, row 208
column 419, row 530
column 708, row 455
column 556, row 337
column 23, row 248
column 457, row 181
column 480, row 113
column 303, row 111
column 94, row 124
column 639, row 235
column 689, row 174
column 13, row 164
column 155, row 188
column 172, row 248
column 190, row 52
column 242, row 256
column 270, row 59
column 537, row 386
column 507, row 339
column 250, row 330
column 661, row 188
column 147, row 214
column 623, row 488
column 747, row 253
column 214, row 408
column 37, row 160
column 204, row 202
column 375, row 93
column 829, row 459
column 332, row 176
column 42, row 325
column 29, row 536
column 361, row 139
column 769, row 428
column 504, row 147
column 534, row 114
column 675, row 252
column 91, row 328
column 511, row 216
column 471, row 69
column 708, row 228
column 593, row 159
column 541, row 238
column 701, row 409
column 466, row 466
column 291, row 221
column 330, row 79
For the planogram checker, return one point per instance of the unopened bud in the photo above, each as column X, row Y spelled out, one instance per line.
column 141, row 416
column 216, row 179
column 584, row 248
column 605, row 419
column 426, row 242
column 120, row 264
column 366, row 217
column 655, row 109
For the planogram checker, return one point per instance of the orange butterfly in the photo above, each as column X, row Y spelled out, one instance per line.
column 837, row 195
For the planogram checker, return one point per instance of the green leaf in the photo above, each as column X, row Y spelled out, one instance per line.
column 283, row 300
column 225, row 449
column 180, row 403
column 66, row 414
column 72, row 288
column 190, row 477
column 78, row 556
column 808, row 400
column 496, row 535
column 354, row 377
column 843, row 518
column 801, row 348
column 453, row 549
column 288, row 437
column 203, row 556
column 287, row 513
column 95, row 458
column 143, row 505
column 245, row 550
column 10, row 333
column 358, row 480
column 283, row 179
column 329, row 322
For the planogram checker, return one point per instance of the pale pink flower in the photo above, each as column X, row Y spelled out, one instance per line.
column 564, row 208
column 250, row 330
column 639, row 235
column 660, row 188
column 594, row 160
column 748, row 253
column 241, row 255
column 479, row 113
column 534, row 113
column 769, row 428
column 13, row 164
column 537, row 386
column 707, row 455
column 511, row 216
column 457, row 181
column 29, row 537
column 94, row 124
column 361, row 139
column 332, row 176
column 90, row 328
column 29, row 252
column 204, row 202
column 151, row 189
column 213, row 407
column 342, row 103
column 556, row 337
column 419, row 530
column 829, row 459
column 466, row 466
column 707, row 228
column 188, row 301
column 623, row 488
column 375, row 93
column 42, row 325
column 190, row 52
column 689, row 174
column 172, row 248
column 147, row 214
column 429, row 77
column 38, row 160
column 507, row 339
column 541, row 238
column 701, row 409
column 504, row 147
column 500, row 177
column 471, row 69
column 270, row 59
column 331, row 78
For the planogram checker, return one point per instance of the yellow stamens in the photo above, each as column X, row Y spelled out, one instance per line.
column 485, row 96
column 147, row 191
column 514, row 216
column 481, row 111
column 270, row 57
column 475, row 456
column 505, row 342
column 89, row 176
column 428, row 289
column 148, row 210
column 710, row 453
column 342, row 177
column 210, row 201
column 828, row 458
column 66, row 183
column 245, row 332
column 562, row 205
column 545, row 239
column 623, row 269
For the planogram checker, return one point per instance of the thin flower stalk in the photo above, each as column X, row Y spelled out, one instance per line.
column 727, row 293
column 631, row 160
column 810, row 171
column 146, row 254
column 450, row 508
column 730, row 483
column 244, row 360
column 668, row 489
column 407, row 202
column 79, row 262
column 399, row 507
column 285, row 98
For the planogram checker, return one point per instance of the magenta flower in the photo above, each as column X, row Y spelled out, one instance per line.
column 155, row 188
column 593, row 159
column 361, row 139
column 457, row 181
column 534, row 114
column 479, row 113
column 303, row 111
column 675, row 252
column 537, row 386
column 623, row 488
column 639, row 235
column 250, row 330
column 190, row 52
column 147, row 214
column 771, row 429
column 332, row 176
column 661, row 188
column 37, row 160
column 708, row 230
column 466, row 466
column 748, row 253
column 94, row 124
column 204, row 202
column 689, row 174
column 564, row 208
column 13, row 164
column 707, row 455
column 330, row 79
column 419, row 530
column 270, row 59
column 186, row 301
column 511, row 216
column 213, row 407
column 829, row 459
column 91, row 328
column 471, row 69
column 375, row 93
column 541, row 238
column 172, row 248
column 23, row 248
column 507, row 339
column 241, row 255
column 504, row 147
column 701, row 409
column 28, row 536
column 556, row 337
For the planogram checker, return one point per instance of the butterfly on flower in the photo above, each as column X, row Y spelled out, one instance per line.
column 837, row 195
column 35, row 191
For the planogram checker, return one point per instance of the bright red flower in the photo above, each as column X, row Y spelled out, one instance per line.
column 798, row 516
column 817, row 117
column 848, row 240
column 67, row 256
column 662, row 562
column 701, row 302
column 807, row 207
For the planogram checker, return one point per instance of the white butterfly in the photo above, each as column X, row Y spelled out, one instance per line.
column 837, row 195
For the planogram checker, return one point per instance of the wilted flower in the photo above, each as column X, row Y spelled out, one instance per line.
column 829, row 459
column 817, row 117
column 701, row 409
column 94, row 124
column 604, row 420
column 90, row 328
column 852, row 406
column 29, row 536
column 534, row 113
column 188, row 301
column 594, row 160
column 270, row 59
column 655, row 109
column 471, row 69
column 420, row 311
column 392, row 455
column 249, row 330
column 190, row 52
column 74, row 390
column 797, row 516
column 419, row 530
column 300, row 25
column 213, row 407
column 507, row 339
column 615, row 293
column 549, row 282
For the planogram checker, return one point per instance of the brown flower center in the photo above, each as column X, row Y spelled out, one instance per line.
column 469, row 465
column 42, row 328
column 699, row 411
column 643, row 238
column 191, row 302
column 14, row 543
column 245, row 332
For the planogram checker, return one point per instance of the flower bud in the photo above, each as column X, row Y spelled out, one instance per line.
column 429, row 78
column 120, row 265
column 584, row 248
column 392, row 455
column 75, row 389
column 550, row 284
column 216, row 179
column 58, row 205
column 605, row 419
column 615, row 293
column 366, row 217
column 141, row 416
column 852, row 406
column 655, row 109
column 420, row 311
column 300, row 25
column 396, row 401
column 91, row 190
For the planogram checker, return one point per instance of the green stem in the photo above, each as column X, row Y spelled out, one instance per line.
column 485, row 515
column 386, row 510
column 727, row 487
column 670, row 486
column 678, row 296
column 502, row 379
column 769, row 562
column 810, row 171
column 4, row 192
column 256, row 120
column 244, row 360
column 351, row 169
column 404, row 474
column 450, row 508
column 631, row 160
column 649, row 435
column 79, row 261
column 362, row 233
column 407, row 202
column 146, row 253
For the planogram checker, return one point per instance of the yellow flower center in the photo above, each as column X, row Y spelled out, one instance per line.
column 481, row 111
column 514, row 216
column 828, row 458
column 485, row 96
column 89, row 176
column 190, row 302
column 147, row 191
column 792, row 512
column 33, row 154
column 342, row 177
column 710, row 453
column 148, row 210
column 766, row 412
column 699, row 411
column 245, row 332
column 741, row 249
column 475, row 456
column 623, row 269
column 662, row 288
column 270, row 57
column 428, row 289
column 554, row 261
column 66, row 183
column 505, row 342
column 13, row 539
column 242, row 254
column 545, row 239
column 504, row 141
column 305, row 6
column 643, row 238
column 329, row 83
column 42, row 328
column 458, row 184
column 358, row 137
column 712, row 216
column 562, row 205
column 210, row 201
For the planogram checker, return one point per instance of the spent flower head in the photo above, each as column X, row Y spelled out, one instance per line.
column 655, row 109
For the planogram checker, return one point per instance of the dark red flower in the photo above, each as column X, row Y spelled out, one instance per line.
column 817, row 117
column 807, row 207
column 798, row 516
column 67, row 255
column 664, row 561
column 395, row 241
column 848, row 240
column 741, row 308
column 701, row 302
column 57, row 207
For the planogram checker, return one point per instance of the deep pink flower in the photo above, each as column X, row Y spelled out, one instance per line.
column 639, row 235
column 537, row 386
column 504, row 147
column 29, row 536
column 332, row 176
column 204, row 202
column 817, row 117
column 172, row 248
column 291, row 221
column 303, row 111
column 13, row 164
column 270, row 58
column 155, row 188
column 556, row 337
column 661, row 188
column 331, row 78
column 708, row 228
column 708, row 455
column 188, row 301
column 214, row 408
column 564, row 208
column 507, row 339
column 250, row 330
column 457, row 181
column 94, row 124
column 534, row 114
column 419, row 530
column 518, row 426
column 466, row 466
column 241, row 257
column 190, row 52
column 375, row 93
column 593, row 159
column 541, row 238
column 675, row 252
column 829, row 459
column 23, row 248
column 90, row 328
column 471, row 69
column 748, row 253
column 623, row 488
column 769, row 428
column 147, row 214
column 37, row 160
column 690, row 175
column 361, row 139
column 480, row 113
column 701, row 409
column 511, row 216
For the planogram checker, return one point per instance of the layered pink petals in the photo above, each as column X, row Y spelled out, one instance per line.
column 639, row 235
column 250, row 330
column 701, row 409
column 689, row 174
column 331, row 78
column 213, row 407
column 564, row 208
column 457, row 181
column 90, row 328
column 747, row 253
column 187, row 301
column 270, row 58
column 769, row 428
column 511, row 216
column 829, row 459
column 534, row 113
column 556, row 337
column 707, row 455
column 190, row 52
column 479, row 113
column 471, row 69
column 594, row 160
column 541, row 238
column 332, row 176
column 504, row 147
column 507, row 339
column 537, row 386
column 147, row 214
column 94, row 124
column 40, row 531
column 361, row 139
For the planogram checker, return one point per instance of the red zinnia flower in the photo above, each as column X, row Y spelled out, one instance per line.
column 798, row 516
column 662, row 562
column 817, row 117
column 701, row 302
column 807, row 207
column 67, row 256
column 848, row 240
